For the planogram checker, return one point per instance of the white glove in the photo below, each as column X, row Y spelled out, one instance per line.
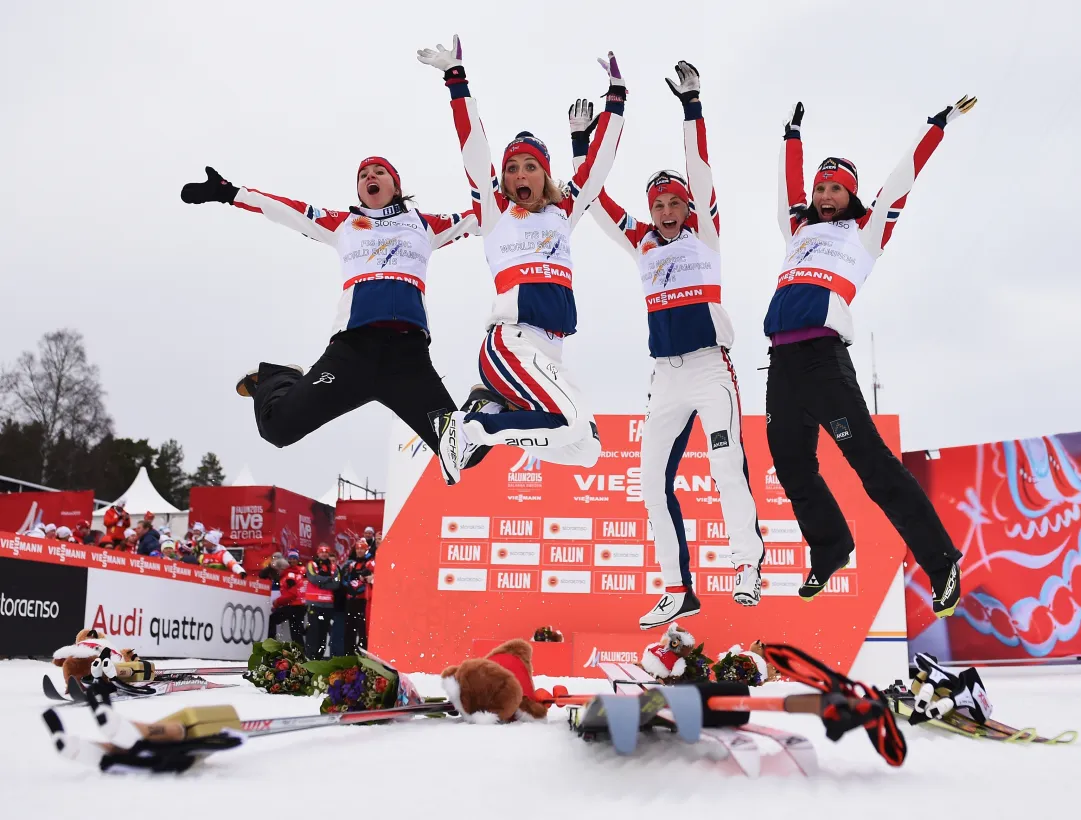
column 580, row 117
column 616, row 84
column 442, row 58
column 689, row 82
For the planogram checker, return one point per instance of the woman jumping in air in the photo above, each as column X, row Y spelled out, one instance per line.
column 679, row 264
column 526, row 221
column 379, row 347
column 832, row 246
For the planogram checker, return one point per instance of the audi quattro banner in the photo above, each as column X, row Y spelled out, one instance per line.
column 41, row 606
column 519, row 544
column 161, row 617
column 67, row 586
column 1014, row 509
column 21, row 512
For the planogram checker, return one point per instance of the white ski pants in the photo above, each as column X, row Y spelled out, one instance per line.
column 525, row 365
column 702, row 383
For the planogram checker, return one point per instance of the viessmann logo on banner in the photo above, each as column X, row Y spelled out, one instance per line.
column 167, row 618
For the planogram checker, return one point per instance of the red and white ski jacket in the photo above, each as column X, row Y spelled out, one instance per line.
column 681, row 278
column 826, row 263
column 529, row 254
column 384, row 253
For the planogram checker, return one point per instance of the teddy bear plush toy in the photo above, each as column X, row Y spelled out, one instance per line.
column 495, row 688
column 77, row 659
column 666, row 658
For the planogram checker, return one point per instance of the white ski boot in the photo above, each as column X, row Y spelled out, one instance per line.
column 748, row 589
column 672, row 605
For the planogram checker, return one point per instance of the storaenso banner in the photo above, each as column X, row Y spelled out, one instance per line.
column 41, row 606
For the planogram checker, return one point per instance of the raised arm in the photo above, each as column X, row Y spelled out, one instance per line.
column 616, row 223
column 793, row 199
column 443, row 229
column 877, row 226
column 292, row 213
column 589, row 175
column 476, row 154
column 699, row 174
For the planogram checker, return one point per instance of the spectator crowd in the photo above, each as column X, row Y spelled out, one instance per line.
column 197, row 546
column 324, row 602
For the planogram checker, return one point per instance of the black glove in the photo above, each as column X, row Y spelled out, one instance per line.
column 215, row 189
column 795, row 119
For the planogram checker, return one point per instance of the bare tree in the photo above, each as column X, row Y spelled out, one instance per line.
column 58, row 389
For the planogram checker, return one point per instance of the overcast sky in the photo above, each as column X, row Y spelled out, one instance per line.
column 108, row 108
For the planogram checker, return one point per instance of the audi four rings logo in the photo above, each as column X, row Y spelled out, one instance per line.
column 242, row 624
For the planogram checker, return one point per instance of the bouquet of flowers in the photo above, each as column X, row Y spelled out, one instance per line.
column 357, row 683
column 545, row 634
column 698, row 669
column 742, row 667
column 279, row 668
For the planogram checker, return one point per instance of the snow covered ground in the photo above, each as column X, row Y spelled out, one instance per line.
column 447, row 769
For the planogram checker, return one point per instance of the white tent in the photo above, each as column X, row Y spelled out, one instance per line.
column 349, row 474
column 244, row 478
column 142, row 497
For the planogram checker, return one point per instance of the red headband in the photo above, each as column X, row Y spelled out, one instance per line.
column 835, row 172
column 364, row 163
column 668, row 186
column 526, row 147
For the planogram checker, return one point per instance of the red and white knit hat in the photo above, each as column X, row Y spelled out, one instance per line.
column 364, row 163
column 841, row 170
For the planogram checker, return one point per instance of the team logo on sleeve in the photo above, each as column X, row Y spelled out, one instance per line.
column 718, row 440
column 841, row 429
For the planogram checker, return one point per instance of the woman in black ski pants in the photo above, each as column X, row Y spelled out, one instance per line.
column 378, row 350
column 832, row 246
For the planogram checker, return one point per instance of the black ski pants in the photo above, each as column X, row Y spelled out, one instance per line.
column 813, row 384
column 294, row 615
column 320, row 621
column 356, row 625
column 392, row 367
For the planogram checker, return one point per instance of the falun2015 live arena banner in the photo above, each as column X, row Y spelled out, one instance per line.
column 520, row 544
column 1014, row 509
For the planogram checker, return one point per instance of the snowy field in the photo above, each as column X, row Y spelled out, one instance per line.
column 443, row 768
